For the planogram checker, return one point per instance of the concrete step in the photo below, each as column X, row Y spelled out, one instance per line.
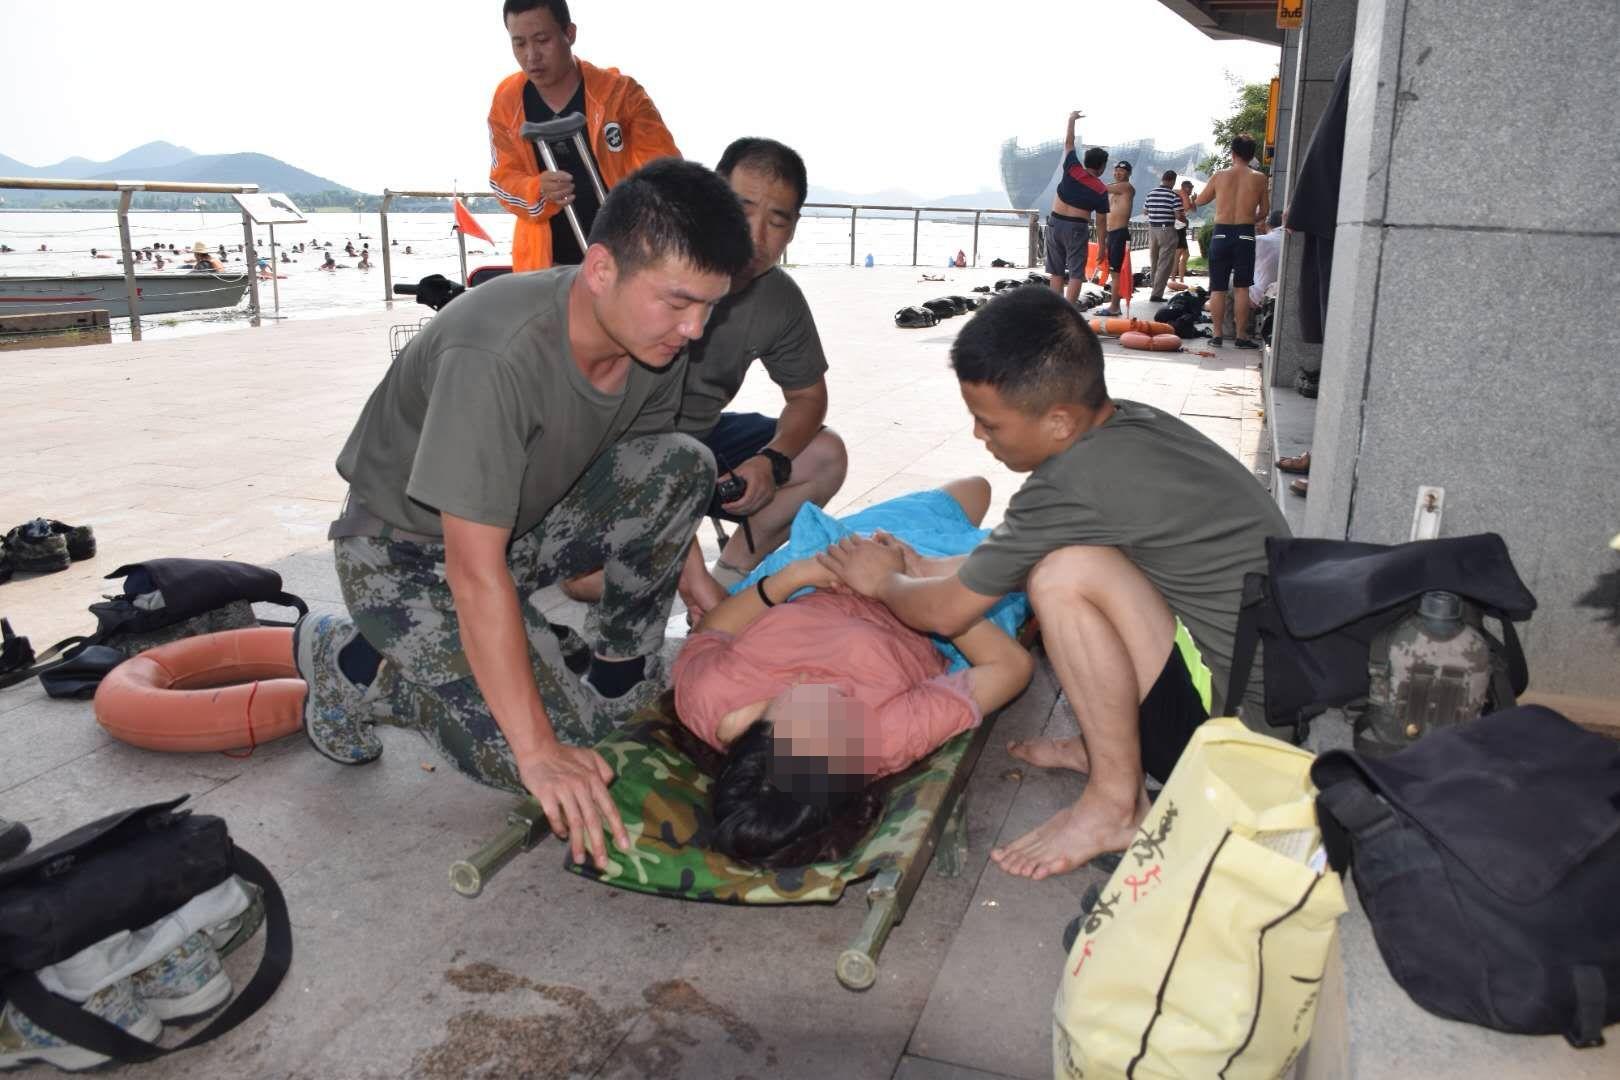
column 1291, row 420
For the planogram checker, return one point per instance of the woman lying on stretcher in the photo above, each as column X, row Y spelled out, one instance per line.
column 810, row 700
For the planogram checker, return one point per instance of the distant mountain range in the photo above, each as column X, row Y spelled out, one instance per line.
column 166, row 161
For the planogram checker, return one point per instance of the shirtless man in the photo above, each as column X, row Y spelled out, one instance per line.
column 1241, row 198
column 1068, row 228
column 1121, row 196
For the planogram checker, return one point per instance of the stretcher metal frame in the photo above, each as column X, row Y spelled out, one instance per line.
column 887, row 898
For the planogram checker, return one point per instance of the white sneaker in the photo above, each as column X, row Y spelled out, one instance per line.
column 188, row 981
column 23, row 1040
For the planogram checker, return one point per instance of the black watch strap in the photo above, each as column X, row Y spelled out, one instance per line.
column 781, row 465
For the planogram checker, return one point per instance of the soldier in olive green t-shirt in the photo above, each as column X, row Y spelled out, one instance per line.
column 1130, row 520
column 527, row 434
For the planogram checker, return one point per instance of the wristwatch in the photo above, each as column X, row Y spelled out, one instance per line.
column 781, row 465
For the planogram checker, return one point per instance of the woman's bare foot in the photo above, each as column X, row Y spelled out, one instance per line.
column 1071, row 838
column 1052, row 753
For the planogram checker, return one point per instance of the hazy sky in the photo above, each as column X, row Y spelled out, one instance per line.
column 876, row 94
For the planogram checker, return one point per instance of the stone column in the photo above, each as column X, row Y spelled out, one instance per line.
column 1329, row 29
column 1469, row 333
column 1281, row 166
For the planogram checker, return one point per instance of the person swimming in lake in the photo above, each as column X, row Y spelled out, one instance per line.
column 802, row 703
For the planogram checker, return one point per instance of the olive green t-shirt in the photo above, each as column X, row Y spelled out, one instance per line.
column 768, row 321
column 1186, row 512
column 485, row 415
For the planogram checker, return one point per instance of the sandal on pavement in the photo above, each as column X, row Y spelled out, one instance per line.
column 1300, row 487
column 1300, row 464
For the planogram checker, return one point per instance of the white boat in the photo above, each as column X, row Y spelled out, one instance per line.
column 159, row 294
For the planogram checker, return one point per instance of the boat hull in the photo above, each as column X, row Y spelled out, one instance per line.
column 159, row 294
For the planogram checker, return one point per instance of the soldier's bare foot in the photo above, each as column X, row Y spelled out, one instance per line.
column 1052, row 753
column 1071, row 838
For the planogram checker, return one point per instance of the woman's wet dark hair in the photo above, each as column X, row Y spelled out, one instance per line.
column 756, row 822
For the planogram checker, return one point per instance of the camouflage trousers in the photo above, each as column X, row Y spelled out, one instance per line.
column 632, row 514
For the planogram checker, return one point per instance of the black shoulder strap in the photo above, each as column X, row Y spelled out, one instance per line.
column 1350, row 814
column 66, row 649
column 1518, row 670
column 1248, row 636
column 285, row 599
column 66, row 1020
column 1591, row 1007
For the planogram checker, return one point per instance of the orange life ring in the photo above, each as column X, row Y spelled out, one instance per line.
column 1136, row 339
column 1120, row 325
column 224, row 691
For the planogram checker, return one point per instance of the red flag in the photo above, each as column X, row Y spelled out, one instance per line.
column 468, row 224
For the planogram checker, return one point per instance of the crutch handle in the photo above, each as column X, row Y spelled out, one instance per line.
column 543, row 135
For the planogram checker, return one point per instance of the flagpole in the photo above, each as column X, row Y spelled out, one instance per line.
column 461, row 234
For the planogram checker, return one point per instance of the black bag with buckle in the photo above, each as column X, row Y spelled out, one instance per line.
column 1487, row 857
column 123, row 872
column 163, row 600
column 1317, row 609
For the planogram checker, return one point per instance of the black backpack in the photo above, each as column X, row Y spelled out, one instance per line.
column 123, row 872
column 1487, row 857
column 1321, row 603
column 911, row 318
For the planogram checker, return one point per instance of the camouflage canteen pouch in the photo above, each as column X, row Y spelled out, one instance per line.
column 163, row 600
column 663, row 798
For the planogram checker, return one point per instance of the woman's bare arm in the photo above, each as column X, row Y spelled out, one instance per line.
column 1001, row 666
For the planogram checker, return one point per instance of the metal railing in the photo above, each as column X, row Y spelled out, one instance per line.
column 1033, row 223
column 126, row 191
column 388, row 197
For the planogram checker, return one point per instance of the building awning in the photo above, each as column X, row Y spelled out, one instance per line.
column 1231, row 20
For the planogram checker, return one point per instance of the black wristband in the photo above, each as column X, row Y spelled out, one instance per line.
column 781, row 465
column 759, row 587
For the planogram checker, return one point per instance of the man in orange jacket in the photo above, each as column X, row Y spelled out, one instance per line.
column 622, row 127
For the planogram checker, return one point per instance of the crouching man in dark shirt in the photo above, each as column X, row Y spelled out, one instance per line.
column 1131, row 535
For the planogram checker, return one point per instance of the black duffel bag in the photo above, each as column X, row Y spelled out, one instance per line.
column 163, row 600
column 1487, row 857
column 123, row 872
column 1321, row 602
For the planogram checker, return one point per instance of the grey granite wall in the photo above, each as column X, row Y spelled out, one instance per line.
column 1470, row 334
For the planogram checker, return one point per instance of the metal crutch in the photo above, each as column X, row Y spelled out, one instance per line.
column 563, row 129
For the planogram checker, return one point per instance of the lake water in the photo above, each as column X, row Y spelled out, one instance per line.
column 307, row 292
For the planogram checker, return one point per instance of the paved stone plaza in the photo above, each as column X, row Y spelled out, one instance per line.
column 222, row 446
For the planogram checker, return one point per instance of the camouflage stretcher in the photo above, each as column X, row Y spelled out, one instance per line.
column 663, row 797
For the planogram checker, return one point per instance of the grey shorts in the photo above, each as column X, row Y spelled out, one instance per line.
column 1066, row 240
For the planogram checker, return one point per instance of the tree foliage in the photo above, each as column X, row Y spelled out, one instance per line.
column 1248, row 118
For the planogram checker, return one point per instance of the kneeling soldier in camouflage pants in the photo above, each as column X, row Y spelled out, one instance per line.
column 522, row 437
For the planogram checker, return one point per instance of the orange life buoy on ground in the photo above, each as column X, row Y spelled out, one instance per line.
column 1136, row 339
column 224, row 691
column 1120, row 325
